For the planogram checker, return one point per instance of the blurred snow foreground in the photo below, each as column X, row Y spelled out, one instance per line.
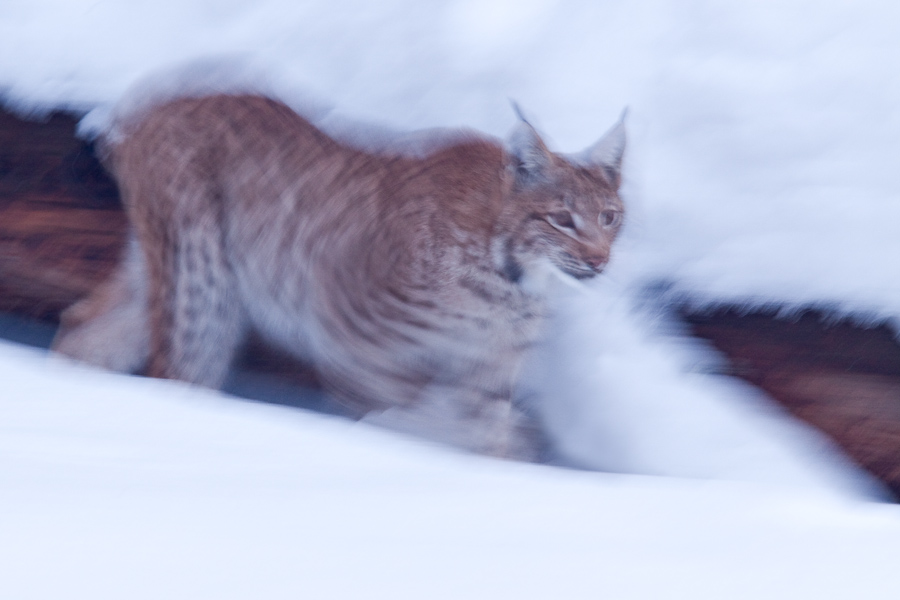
column 121, row 487
column 758, row 171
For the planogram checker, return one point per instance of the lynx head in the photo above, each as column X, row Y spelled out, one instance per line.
column 561, row 209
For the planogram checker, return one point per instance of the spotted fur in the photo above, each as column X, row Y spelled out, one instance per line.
column 410, row 282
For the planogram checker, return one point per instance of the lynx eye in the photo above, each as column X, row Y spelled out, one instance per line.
column 562, row 219
column 610, row 218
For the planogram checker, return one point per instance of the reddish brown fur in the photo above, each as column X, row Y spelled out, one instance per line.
column 411, row 283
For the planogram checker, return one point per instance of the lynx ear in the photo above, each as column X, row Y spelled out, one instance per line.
column 607, row 153
column 528, row 148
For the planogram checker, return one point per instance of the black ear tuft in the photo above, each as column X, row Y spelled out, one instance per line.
column 528, row 148
column 607, row 153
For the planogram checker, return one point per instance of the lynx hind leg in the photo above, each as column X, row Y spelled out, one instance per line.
column 196, row 319
column 109, row 329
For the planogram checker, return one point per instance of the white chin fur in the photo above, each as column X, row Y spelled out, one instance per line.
column 541, row 274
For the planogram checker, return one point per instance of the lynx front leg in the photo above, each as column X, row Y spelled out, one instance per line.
column 498, row 427
column 472, row 419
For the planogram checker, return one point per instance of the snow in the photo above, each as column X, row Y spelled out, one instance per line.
column 121, row 487
column 761, row 133
column 635, row 401
column 760, row 170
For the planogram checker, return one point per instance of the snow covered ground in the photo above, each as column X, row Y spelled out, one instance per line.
column 116, row 487
column 763, row 138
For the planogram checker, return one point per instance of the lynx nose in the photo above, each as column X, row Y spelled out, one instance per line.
column 596, row 262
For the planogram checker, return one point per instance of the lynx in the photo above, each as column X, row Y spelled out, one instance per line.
column 414, row 284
